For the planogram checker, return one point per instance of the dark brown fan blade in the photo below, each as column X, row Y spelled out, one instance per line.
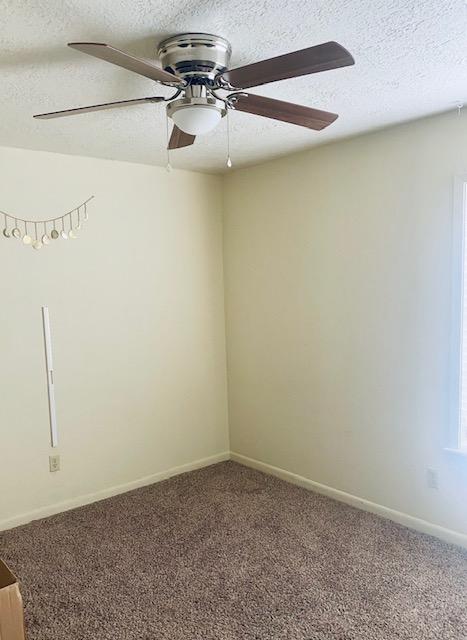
column 127, row 61
column 97, row 107
column 285, row 111
column 180, row 139
column 322, row 57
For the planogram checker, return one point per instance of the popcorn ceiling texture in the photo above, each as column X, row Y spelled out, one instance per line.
column 228, row 553
column 410, row 61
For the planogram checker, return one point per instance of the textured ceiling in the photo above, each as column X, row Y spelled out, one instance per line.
column 411, row 60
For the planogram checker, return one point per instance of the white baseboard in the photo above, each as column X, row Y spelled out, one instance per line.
column 79, row 501
column 448, row 535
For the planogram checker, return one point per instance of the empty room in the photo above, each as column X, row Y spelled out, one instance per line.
column 233, row 367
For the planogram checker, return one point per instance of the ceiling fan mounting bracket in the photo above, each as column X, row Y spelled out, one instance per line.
column 233, row 98
column 222, row 83
column 195, row 56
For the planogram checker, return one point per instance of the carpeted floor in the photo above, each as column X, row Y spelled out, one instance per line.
column 227, row 553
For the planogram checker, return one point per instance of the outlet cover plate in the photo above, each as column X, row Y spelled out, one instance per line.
column 54, row 463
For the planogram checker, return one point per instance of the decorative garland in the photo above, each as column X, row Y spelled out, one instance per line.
column 64, row 226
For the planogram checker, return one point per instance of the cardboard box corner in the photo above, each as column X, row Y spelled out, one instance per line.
column 11, row 606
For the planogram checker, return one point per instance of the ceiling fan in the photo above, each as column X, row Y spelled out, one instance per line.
column 196, row 65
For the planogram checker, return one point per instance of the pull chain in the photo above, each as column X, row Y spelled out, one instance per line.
column 229, row 160
column 169, row 166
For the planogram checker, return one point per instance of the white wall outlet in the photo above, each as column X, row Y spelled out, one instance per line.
column 54, row 463
column 432, row 478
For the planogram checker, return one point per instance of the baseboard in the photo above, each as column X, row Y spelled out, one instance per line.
column 448, row 535
column 79, row 501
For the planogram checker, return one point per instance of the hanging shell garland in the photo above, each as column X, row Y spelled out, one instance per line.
column 40, row 233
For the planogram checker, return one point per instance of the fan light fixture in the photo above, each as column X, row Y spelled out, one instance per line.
column 197, row 119
column 196, row 116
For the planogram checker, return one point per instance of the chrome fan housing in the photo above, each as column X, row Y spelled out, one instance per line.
column 193, row 56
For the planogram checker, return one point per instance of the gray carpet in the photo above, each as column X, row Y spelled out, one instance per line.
column 228, row 553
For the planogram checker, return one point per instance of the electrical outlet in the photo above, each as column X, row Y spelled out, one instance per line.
column 432, row 478
column 54, row 463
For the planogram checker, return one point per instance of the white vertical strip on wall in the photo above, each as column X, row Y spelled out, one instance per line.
column 50, row 377
column 462, row 436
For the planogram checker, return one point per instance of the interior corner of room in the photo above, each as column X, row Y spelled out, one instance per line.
column 335, row 266
column 243, row 317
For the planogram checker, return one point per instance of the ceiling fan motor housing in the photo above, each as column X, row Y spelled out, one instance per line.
column 195, row 56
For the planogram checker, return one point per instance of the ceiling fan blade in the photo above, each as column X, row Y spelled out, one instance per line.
column 285, row 111
column 127, row 61
column 322, row 57
column 97, row 107
column 180, row 139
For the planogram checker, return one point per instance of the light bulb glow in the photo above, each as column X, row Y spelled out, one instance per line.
column 197, row 119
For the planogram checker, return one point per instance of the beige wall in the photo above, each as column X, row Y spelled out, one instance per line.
column 337, row 277
column 136, row 306
column 337, row 290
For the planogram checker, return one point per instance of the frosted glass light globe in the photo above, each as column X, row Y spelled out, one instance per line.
column 196, row 119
